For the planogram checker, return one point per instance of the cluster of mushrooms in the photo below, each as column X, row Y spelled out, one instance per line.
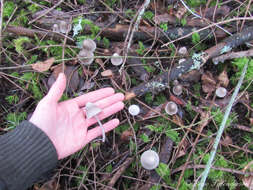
column 149, row 158
column 86, row 55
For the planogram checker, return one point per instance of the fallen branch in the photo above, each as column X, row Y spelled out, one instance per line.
column 34, row 32
column 232, row 55
column 161, row 81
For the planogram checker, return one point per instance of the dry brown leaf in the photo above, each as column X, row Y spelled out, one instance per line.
column 208, row 82
column 107, row 73
column 227, row 140
column 71, row 74
column 223, row 78
column 126, row 135
column 57, row 69
column 248, row 181
column 43, row 66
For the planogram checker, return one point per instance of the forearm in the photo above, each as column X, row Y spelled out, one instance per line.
column 26, row 153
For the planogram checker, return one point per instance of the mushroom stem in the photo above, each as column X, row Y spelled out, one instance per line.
column 102, row 128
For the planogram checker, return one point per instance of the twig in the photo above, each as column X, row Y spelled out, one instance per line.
column 232, row 55
column 221, row 129
column 136, row 25
column 120, row 171
column 198, row 16
column 1, row 25
column 47, row 11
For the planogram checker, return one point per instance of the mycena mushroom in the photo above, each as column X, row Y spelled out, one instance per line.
column 149, row 160
column 92, row 111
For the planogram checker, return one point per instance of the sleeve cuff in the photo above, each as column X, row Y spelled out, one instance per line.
column 26, row 154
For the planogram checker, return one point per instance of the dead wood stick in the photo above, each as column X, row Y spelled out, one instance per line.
column 119, row 33
column 120, row 171
column 34, row 32
column 161, row 81
column 232, row 55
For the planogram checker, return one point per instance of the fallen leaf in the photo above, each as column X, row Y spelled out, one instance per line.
column 223, row 78
column 126, row 135
column 208, row 82
column 57, row 69
column 248, row 181
column 192, row 76
column 107, row 73
column 43, row 66
column 227, row 140
column 71, row 74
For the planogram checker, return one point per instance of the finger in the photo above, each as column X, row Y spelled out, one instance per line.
column 96, row 132
column 57, row 89
column 93, row 96
column 108, row 101
column 108, row 111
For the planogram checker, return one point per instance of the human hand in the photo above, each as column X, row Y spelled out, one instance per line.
column 65, row 122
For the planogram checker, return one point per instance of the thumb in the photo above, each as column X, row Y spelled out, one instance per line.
column 56, row 91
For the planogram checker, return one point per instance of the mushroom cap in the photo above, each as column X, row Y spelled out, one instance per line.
column 134, row 110
column 171, row 108
column 63, row 27
column 56, row 28
column 92, row 110
column 86, row 57
column 116, row 60
column 221, row 92
column 89, row 45
column 181, row 60
column 177, row 90
column 182, row 51
column 149, row 160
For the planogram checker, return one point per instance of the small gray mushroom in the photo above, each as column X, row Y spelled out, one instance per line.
column 171, row 108
column 89, row 44
column 64, row 27
column 177, row 90
column 116, row 60
column 56, row 28
column 221, row 92
column 149, row 160
column 86, row 57
column 134, row 110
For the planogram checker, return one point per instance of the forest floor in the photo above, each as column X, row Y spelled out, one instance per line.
column 171, row 51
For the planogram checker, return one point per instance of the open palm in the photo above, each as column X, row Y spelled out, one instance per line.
column 65, row 122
